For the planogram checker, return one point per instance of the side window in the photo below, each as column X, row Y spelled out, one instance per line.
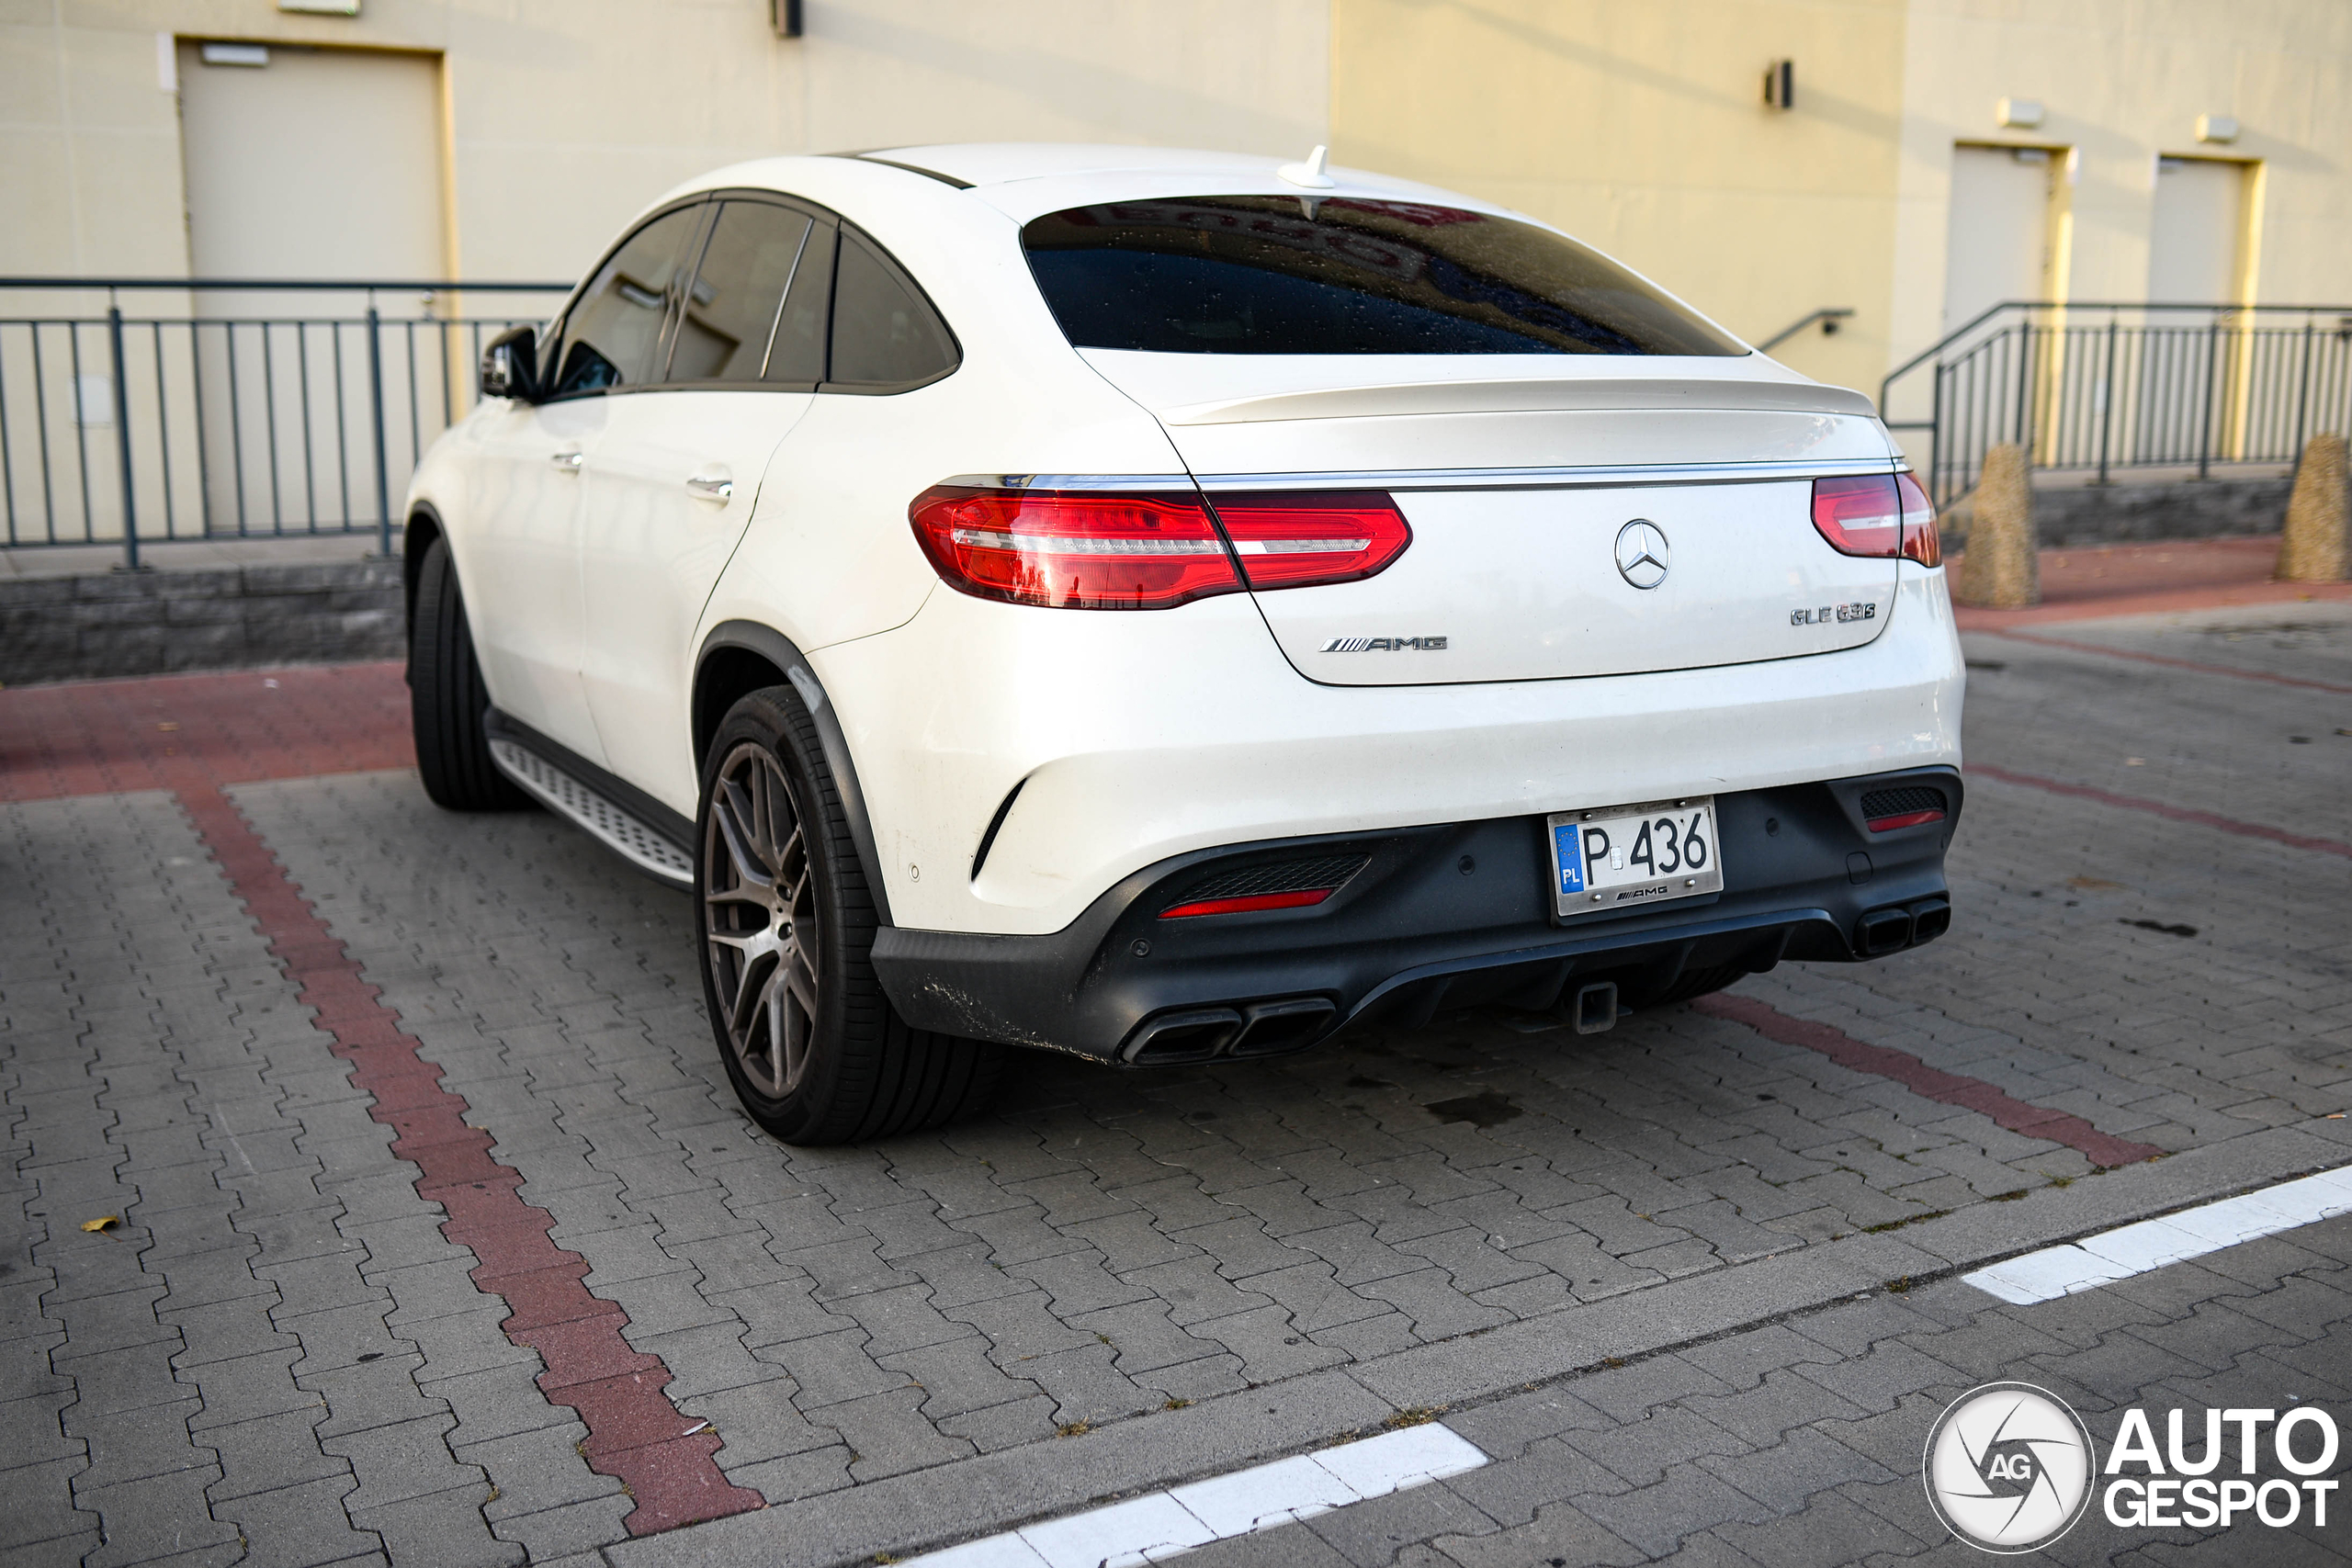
column 884, row 332
column 613, row 331
column 797, row 357
column 732, row 310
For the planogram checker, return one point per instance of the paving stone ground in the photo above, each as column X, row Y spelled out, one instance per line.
column 1799, row 1443
column 276, row 1355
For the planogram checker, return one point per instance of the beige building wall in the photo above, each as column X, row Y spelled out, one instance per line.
column 2122, row 83
column 1643, row 129
column 1640, row 127
column 565, row 115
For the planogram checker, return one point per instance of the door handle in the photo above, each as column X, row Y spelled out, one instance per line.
column 567, row 461
column 718, row 485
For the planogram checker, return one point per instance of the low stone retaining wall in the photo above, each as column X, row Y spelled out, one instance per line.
column 148, row 623
column 2074, row 515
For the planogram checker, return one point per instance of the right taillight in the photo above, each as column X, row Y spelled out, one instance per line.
column 1921, row 542
column 1877, row 514
column 1296, row 540
column 1072, row 550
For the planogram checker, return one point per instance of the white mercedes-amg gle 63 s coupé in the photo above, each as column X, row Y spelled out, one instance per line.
column 1163, row 606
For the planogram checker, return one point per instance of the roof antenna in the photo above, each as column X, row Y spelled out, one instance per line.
column 1309, row 173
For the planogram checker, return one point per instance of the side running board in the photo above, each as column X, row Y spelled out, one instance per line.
column 605, row 820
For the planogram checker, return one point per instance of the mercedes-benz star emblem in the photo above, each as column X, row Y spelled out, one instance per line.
column 2009, row 1467
column 1641, row 553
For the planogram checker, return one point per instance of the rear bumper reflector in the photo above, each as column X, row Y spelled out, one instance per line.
column 1297, row 899
column 1907, row 820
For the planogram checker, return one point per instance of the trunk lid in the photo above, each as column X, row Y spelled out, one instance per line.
column 1652, row 516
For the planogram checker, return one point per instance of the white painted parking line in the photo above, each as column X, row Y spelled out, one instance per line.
column 1161, row 1525
column 2118, row 1254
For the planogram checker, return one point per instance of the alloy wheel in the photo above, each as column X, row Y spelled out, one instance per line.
column 760, row 926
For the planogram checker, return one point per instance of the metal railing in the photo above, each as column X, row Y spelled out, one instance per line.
column 229, row 408
column 1829, row 316
column 2103, row 386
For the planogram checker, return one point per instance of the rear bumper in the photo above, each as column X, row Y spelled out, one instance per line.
column 1103, row 746
column 1414, row 931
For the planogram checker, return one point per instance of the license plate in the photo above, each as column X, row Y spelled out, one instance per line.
column 1616, row 858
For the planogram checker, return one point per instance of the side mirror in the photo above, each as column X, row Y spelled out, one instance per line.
column 509, row 365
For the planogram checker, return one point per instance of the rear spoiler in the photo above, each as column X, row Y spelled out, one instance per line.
column 1525, row 396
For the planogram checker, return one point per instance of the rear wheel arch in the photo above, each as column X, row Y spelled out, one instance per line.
column 738, row 658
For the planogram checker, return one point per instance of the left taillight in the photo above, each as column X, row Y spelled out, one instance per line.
column 1081, row 550
column 1877, row 514
column 1073, row 550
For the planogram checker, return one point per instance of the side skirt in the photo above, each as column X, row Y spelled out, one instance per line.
column 648, row 835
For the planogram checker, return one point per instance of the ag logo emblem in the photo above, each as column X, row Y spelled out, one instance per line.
column 2008, row 1468
column 1641, row 553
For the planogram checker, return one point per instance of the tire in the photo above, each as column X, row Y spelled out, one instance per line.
column 446, row 698
column 814, row 1049
column 1690, row 984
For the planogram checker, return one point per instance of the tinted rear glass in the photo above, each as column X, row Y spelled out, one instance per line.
column 1257, row 275
column 884, row 333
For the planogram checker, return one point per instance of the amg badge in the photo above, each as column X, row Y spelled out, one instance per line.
column 1383, row 644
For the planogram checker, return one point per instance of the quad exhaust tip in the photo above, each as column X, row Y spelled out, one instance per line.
column 1892, row 930
column 1200, row 1035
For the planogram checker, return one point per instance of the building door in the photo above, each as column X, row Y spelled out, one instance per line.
column 2193, row 237
column 1997, row 247
column 1997, row 243
column 307, row 163
column 2187, row 356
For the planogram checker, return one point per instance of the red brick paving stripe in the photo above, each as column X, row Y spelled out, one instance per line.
column 2158, row 809
column 2167, row 663
column 634, row 1431
column 1932, row 1083
column 106, row 737
column 193, row 734
column 2244, row 596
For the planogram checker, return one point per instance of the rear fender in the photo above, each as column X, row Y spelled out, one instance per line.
column 720, row 682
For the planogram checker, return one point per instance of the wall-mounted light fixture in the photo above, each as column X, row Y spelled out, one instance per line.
column 2217, row 128
column 2018, row 114
column 1781, row 85
column 785, row 14
column 322, row 7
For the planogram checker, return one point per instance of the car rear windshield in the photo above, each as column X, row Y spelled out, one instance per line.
column 1284, row 275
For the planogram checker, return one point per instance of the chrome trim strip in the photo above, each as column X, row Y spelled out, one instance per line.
column 1636, row 474
column 1556, row 479
column 618, row 830
column 1073, row 481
